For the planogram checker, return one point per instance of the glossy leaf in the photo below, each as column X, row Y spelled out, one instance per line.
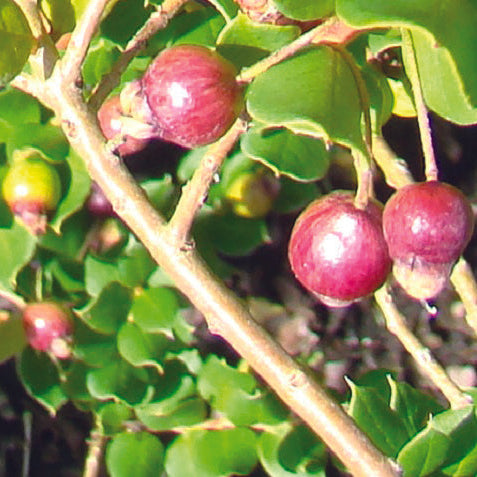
column 112, row 416
column 109, row 310
column 373, row 415
column 291, row 452
column 74, row 385
column 17, row 247
column 60, row 15
column 212, row 453
column 16, row 40
column 424, row 454
column 299, row 157
column 305, row 9
column 445, row 61
column 323, row 101
column 120, row 381
column 140, row 454
column 16, row 108
column 154, row 310
column 41, row 380
column 13, row 338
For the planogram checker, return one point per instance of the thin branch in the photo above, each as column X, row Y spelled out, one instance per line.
column 80, row 39
column 396, row 324
column 156, row 21
column 225, row 314
column 96, row 443
column 32, row 14
column 194, row 193
column 421, row 108
column 333, row 31
column 465, row 285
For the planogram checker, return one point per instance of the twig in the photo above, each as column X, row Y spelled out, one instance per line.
column 32, row 14
column 421, row 108
column 396, row 324
column 364, row 175
column 225, row 315
column 194, row 193
column 332, row 31
column 156, row 21
column 27, row 426
column 465, row 285
column 80, row 39
column 95, row 451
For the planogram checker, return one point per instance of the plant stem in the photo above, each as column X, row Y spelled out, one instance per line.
column 194, row 193
column 364, row 175
column 225, row 314
column 156, row 21
column 412, row 71
column 396, row 324
column 332, row 31
column 95, row 451
column 465, row 285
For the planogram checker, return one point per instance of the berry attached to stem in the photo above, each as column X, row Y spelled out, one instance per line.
column 338, row 251
column 48, row 327
column 427, row 227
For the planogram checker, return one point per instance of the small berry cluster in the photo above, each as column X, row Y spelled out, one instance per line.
column 342, row 253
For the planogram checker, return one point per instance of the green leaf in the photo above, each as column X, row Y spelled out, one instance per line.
column 288, row 451
column 412, row 405
column 373, row 415
column 112, row 416
column 41, row 380
column 230, row 234
column 323, row 102
column 244, row 42
column 175, row 402
column 236, row 394
column 294, row 196
column 16, row 108
column 60, row 14
column 155, row 310
column 120, row 381
column 76, row 188
column 448, row 61
column 74, row 385
column 95, row 349
column 161, row 193
column 140, row 454
column 109, row 310
column 16, row 40
column 49, row 139
column 17, row 247
column 13, row 337
column 142, row 349
column 305, row 9
column 424, row 454
column 299, row 157
column 212, row 453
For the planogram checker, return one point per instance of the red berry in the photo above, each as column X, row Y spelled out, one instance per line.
column 427, row 226
column 192, row 95
column 338, row 251
column 109, row 117
column 48, row 327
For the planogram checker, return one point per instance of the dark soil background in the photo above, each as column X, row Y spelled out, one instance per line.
column 336, row 343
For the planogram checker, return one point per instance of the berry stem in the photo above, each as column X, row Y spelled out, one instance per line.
column 396, row 324
column 364, row 175
column 465, row 285
column 96, row 444
column 333, row 31
column 194, row 193
column 425, row 131
column 157, row 20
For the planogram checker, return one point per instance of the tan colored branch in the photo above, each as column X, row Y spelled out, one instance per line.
column 194, row 193
column 396, row 324
column 465, row 285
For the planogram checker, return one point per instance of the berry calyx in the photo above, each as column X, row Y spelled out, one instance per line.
column 427, row 227
column 192, row 95
column 32, row 190
column 251, row 194
column 109, row 117
column 338, row 251
column 48, row 327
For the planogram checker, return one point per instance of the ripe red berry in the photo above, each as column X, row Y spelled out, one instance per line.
column 192, row 95
column 48, row 327
column 109, row 117
column 427, row 226
column 338, row 251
